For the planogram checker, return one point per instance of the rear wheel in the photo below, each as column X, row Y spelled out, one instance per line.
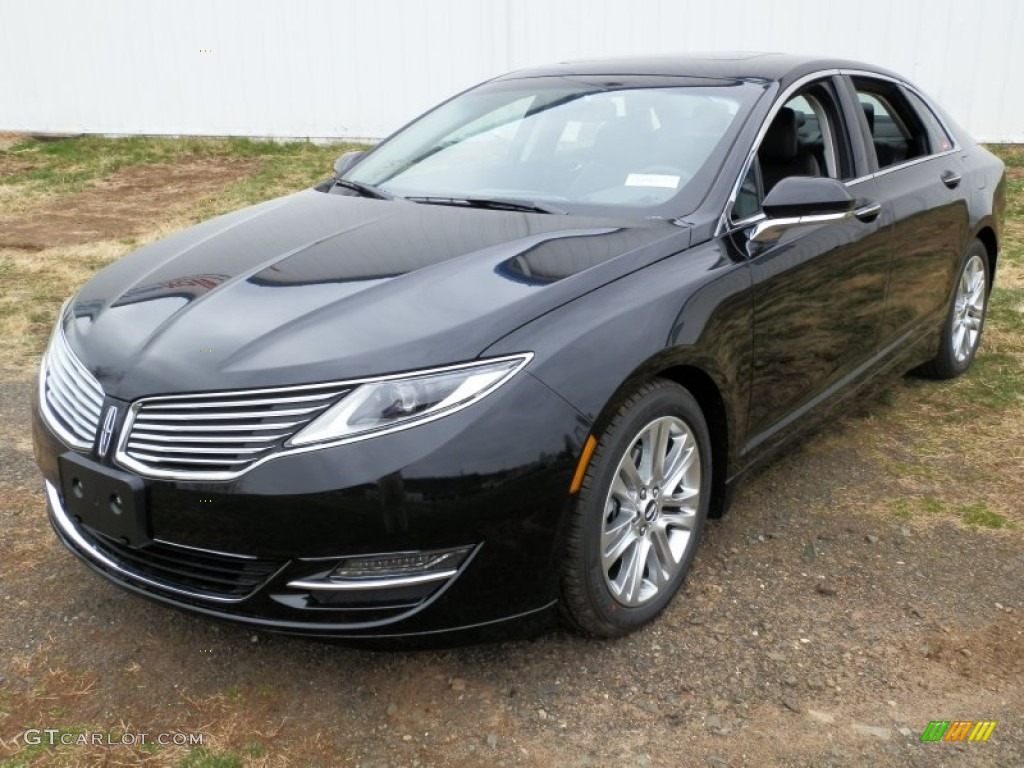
column 640, row 512
column 961, row 333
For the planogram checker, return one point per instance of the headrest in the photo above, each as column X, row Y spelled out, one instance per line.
column 780, row 140
column 869, row 113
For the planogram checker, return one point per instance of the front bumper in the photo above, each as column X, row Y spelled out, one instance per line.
column 493, row 478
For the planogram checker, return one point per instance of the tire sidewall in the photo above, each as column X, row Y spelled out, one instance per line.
column 666, row 400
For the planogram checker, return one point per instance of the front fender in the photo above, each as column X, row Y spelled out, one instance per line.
column 691, row 309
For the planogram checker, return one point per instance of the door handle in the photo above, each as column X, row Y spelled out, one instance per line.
column 951, row 179
column 868, row 212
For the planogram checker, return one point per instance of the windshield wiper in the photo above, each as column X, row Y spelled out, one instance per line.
column 366, row 190
column 493, row 203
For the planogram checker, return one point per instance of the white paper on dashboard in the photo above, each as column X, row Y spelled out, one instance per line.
column 652, row 180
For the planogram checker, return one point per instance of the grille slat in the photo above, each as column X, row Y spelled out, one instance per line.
column 204, row 574
column 156, row 407
column 182, row 460
column 220, row 434
column 184, row 415
column 71, row 396
column 82, row 400
column 140, row 435
column 204, row 448
column 220, row 427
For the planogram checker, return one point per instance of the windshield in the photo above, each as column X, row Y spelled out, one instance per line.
column 566, row 143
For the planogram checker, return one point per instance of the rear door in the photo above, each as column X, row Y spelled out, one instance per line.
column 819, row 293
column 919, row 180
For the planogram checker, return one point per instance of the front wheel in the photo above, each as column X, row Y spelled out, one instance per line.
column 640, row 512
column 965, row 320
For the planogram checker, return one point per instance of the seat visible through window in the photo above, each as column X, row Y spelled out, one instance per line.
column 781, row 154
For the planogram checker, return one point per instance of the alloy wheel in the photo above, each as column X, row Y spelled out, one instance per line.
column 969, row 308
column 650, row 511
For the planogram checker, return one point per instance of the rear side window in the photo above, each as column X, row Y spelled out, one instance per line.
column 898, row 132
column 938, row 137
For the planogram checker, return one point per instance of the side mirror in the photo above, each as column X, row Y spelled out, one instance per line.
column 346, row 161
column 802, row 201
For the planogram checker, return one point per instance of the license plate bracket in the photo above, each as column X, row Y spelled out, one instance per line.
column 108, row 501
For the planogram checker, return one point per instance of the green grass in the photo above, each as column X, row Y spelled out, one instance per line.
column 255, row 749
column 200, row 757
column 53, row 168
column 1011, row 154
column 980, row 515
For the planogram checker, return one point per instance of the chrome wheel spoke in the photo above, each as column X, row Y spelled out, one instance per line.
column 622, row 493
column 630, row 475
column 616, row 539
column 678, row 469
column 660, row 437
column 634, row 567
column 662, row 556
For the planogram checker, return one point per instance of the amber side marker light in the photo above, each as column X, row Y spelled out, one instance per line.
column 581, row 468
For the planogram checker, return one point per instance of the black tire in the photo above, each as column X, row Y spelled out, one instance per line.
column 952, row 359
column 588, row 602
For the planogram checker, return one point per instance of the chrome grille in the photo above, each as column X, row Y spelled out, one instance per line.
column 70, row 396
column 219, row 435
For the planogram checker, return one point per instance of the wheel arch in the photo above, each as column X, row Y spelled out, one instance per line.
column 987, row 236
column 709, row 397
column 708, row 394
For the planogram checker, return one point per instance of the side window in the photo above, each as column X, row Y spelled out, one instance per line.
column 897, row 131
column 939, row 139
column 806, row 137
column 748, row 199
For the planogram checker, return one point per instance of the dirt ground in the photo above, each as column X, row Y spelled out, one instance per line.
column 841, row 605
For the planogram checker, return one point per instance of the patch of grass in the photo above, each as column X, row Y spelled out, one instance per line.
column 995, row 381
column 255, row 749
column 39, row 170
column 980, row 515
column 1006, row 309
column 1011, row 154
column 901, row 508
column 234, row 694
column 200, row 757
column 931, row 506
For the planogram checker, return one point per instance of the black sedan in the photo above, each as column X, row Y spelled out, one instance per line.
column 504, row 365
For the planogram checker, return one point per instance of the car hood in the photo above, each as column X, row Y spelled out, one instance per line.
column 317, row 287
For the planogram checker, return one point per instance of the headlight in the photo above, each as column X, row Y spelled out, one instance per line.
column 399, row 402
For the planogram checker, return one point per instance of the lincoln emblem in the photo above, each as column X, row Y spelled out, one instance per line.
column 107, row 430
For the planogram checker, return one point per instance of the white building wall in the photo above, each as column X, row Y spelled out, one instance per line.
column 342, row 68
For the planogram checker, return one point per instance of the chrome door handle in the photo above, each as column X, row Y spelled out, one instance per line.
column 951, row 179
column 868, row 212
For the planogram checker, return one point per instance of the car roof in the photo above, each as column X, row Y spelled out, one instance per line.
column 780, row 67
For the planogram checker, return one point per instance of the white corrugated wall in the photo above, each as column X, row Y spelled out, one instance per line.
column 346, row 68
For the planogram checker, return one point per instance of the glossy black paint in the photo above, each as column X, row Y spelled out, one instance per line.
column 321, row 287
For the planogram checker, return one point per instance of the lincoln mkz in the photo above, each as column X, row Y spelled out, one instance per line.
column 503, row 366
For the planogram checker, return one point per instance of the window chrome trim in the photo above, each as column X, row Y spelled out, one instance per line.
column 122, row 459
column 927, row 102
column 725, row 224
